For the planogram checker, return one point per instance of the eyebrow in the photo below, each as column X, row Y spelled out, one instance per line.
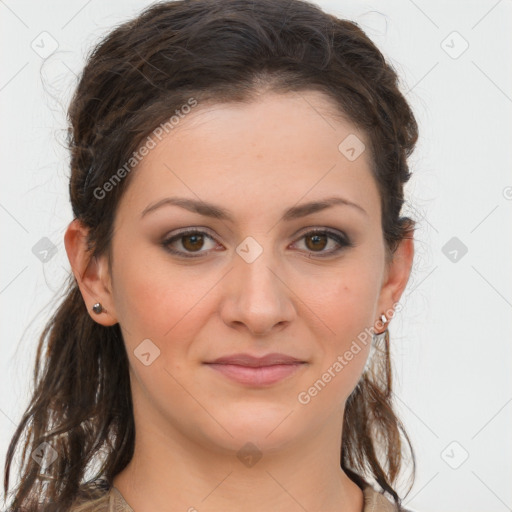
column 217, row 212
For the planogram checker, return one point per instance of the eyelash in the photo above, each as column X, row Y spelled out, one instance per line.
column 342, row 240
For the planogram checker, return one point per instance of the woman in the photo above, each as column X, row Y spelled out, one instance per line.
column 237, row 254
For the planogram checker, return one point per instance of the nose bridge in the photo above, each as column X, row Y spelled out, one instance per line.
column 258, row 277
column 255, row 268
column 260, row 299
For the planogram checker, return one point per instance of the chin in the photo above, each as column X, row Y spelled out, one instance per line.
column 265, row 425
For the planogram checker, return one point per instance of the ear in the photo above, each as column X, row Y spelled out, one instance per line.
column 396, row 275
column 91, row 274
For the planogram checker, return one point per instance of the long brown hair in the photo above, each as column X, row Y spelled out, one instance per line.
column 134, row 80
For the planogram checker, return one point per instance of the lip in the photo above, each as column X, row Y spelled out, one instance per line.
column 253, row 361
column 257, row 371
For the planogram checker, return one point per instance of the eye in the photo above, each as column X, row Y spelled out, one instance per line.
column 317, row 239
column 191, row 241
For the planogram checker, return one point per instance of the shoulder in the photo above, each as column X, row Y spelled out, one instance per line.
column 101, row 504
column 102, row 498
column 93, row 497
column 375, row 501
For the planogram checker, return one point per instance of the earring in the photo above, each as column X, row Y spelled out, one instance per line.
column 383, row 320
column 97, row 308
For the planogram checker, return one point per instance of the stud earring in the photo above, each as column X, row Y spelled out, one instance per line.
column 383, row 320
column 97, row 308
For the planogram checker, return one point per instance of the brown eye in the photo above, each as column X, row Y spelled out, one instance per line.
column 192, row 242
column 316, row 242
column 187, row 243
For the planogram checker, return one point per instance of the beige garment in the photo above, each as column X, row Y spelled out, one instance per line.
column 113, row 501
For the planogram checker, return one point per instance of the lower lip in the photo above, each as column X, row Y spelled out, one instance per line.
column 256, row 376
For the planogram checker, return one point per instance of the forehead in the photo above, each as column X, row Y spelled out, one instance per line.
column 278, row 148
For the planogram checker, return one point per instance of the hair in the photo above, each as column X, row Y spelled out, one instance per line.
column 135, row 78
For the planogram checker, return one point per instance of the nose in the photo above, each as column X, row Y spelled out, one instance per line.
column 257, row 298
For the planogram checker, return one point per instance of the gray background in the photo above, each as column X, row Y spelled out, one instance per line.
column 451, row 343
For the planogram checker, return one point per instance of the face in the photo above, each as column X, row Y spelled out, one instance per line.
column 268, row 275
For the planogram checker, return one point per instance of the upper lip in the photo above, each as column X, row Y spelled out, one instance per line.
column 248, row 360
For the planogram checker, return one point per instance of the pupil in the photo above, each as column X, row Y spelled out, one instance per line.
column 194, row 245
column 317, row 238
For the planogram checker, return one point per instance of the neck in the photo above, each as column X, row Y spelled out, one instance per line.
column 170, row 472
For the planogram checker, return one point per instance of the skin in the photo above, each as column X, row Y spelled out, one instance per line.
column 256, row 160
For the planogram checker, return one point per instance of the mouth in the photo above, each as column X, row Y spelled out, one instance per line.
column 257, row 371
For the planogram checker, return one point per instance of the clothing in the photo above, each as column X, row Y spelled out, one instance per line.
column 112, row 501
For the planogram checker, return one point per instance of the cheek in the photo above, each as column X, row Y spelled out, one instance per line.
column 345, row 306
column 159, row 302
column 345, row 302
